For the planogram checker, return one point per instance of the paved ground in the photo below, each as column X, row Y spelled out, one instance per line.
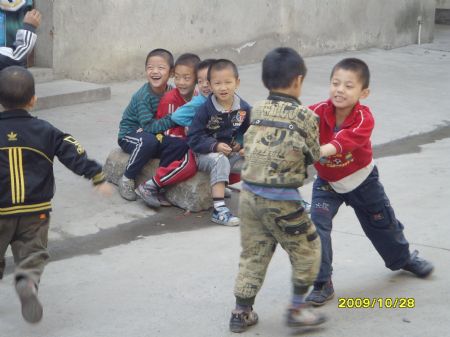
column 120, row 269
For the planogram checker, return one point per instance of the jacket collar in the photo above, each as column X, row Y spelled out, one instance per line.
column 277, row 96
column 330, row 116
column 15, row 113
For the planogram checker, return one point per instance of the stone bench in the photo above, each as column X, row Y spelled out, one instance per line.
column 193, row 194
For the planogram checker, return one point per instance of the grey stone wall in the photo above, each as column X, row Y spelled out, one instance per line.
column 108, row 40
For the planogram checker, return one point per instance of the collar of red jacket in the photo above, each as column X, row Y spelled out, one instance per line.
column 330, row 115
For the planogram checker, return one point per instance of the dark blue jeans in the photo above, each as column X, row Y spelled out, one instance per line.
column 375, row 214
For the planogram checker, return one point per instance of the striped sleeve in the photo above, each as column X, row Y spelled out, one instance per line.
column 146, row 112
column 24, row 44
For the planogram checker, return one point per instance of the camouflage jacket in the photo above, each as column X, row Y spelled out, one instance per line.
column 282, row 140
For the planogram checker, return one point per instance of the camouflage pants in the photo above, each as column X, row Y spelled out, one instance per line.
column 264, row 224
column 28, row 237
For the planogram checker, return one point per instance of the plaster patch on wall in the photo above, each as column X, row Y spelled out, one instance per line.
column 246, row 45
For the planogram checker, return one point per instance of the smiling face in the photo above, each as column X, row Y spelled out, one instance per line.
column 185, row 80
column 202, row 82
column 346, row 89
column 158, row 73
column 223, row 85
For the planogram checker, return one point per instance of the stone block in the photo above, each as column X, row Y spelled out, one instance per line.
column 193, row 194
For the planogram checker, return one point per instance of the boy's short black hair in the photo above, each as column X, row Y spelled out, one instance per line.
column 205, row 64
column 222, row 64
column 280, row 67
column 188, row 60
column 164, row 53
column 16, row 87
column 356, row 65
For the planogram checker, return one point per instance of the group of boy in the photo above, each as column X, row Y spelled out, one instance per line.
column 187, row 132
column 279, row 141
column 282, row 138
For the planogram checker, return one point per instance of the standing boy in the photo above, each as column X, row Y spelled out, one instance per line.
column 141, row 134
column 27, row 149
column 347, row 173
column 280, row 143
column 216, row 134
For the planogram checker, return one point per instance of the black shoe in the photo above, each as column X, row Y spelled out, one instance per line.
column 322, row 293
column 241, row 320
column 418, row 266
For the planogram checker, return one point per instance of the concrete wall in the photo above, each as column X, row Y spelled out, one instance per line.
column 442, row 12
column 107, row 40
column 443, row 4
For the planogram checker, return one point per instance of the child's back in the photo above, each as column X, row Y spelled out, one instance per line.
column 27, row 149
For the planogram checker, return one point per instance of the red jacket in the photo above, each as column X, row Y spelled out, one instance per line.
column 168, row 104
column 352, row 140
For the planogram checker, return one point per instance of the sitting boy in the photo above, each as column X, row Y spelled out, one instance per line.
column 185, row 81
column 28, row 147
column 140, row 134
column 347, row 174
column 216, row 134
column 280, row 143
column 184, row 114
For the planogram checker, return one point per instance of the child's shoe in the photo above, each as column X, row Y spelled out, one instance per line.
column 126, row 189
column 149, row 195
column 31, row 307
column 418, row 266
column 322, row 293
column 223, row 216
column 241, row 320
column 163, row 200
column 304, row 316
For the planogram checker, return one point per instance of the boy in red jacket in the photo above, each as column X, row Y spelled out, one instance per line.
column 347, row 173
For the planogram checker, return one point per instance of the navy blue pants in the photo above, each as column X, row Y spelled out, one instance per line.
column 375, row 214
column 143, row 146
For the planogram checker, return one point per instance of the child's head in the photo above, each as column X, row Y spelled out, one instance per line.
column 349, row 82
column 223, row 78
column 202, row 76
column 283, row 70
column 17, row 88
column 185, row 74
column 159, row 66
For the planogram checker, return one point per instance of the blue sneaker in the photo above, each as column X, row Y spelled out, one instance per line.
column 321, row 294
column 224, row 217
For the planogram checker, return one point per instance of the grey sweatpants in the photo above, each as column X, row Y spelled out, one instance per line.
column 217, row 165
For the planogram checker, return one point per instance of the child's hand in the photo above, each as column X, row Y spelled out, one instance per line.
column 241, row 152
column 104, row 189
column 33, row 18
column 236, row 147
column 224, row 148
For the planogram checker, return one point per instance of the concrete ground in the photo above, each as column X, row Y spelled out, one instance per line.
column 121, row 269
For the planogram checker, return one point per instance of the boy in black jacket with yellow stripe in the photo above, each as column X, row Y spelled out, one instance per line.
column 27, row 148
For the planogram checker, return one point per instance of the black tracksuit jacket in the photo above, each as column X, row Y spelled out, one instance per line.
column 28, row 146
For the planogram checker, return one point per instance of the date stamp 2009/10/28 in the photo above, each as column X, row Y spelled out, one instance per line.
column 376, row 302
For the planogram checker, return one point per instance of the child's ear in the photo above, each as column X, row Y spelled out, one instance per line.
column 365, row 93
column 30, row 105
column 172, row 72
column 238, row 81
